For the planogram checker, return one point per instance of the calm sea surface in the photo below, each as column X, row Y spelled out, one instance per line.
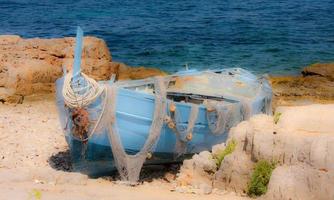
column 273, row 36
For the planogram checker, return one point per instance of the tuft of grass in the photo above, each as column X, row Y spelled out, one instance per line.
column 276, row 117
column 228, row 150
column 260, row 178
column 36, row 194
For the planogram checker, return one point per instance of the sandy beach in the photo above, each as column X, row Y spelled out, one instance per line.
column 34, row 156
column 34, row 163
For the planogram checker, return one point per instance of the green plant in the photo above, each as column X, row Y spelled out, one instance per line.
column 260, row 178
column 36, row 194
column 276, row 117
column 228, row 150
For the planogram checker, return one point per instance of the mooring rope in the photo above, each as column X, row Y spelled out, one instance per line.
column 81, row 92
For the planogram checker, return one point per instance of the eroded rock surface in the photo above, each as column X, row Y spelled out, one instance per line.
column 31, row 66
column 320, row 69
column 300, row 145
column 198, row 173
column 300, row 182
column 316, row 84
column 125, row 72
column 234, row 173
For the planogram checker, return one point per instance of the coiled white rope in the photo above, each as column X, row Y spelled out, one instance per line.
column 82, row 92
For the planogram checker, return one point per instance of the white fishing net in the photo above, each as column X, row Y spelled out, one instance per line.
column 183, row 131
column 129, row 166
column 219, row 116
column 220, row 95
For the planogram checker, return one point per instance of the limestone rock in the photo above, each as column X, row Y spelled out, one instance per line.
column 300, row 182
column 30, row 66
column 315, row 86
column 12, row 99
column 299, row 134
column 320, row 69
column 204, row 161
column 133, row 73
column 312, row 118
column 125, row 72
column 234, row 173
column 217, row 149
column 9, row 39
column 196, row 174
column 300, row 145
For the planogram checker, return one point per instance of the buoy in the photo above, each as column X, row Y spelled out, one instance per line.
column 167, row 119
column 172, row 107
column 171, row 125
column 149, row 155
column 210, row 109
column 189, row 136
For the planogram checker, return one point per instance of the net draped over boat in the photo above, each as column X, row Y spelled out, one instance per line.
column 184, row 133
column 129, row 166
column 218, row 116
column 221, row 115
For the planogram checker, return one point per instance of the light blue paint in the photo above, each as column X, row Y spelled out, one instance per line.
column 134, row 113
column 77, row 53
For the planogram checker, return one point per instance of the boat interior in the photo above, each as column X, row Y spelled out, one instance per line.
column 148, row 88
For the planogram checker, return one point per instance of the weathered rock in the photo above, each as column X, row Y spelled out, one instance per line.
column 313, row 118
column 300, row 182
column 125, row 72
column 196, row 174
column 315, row 86
column 30, row 66
column 12, row 99
column 234, row 173
column 299, row 144
column 298, row 133
column 321, row 69
column 138, row 72
column 217, row 149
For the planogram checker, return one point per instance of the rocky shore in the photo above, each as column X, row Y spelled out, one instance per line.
column 34, row 161
column 297, row 146
column 31, row 66
column 314, row 85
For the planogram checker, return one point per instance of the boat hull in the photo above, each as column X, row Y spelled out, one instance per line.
column 134, row 115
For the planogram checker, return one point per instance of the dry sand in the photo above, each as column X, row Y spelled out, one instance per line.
column 34, row 162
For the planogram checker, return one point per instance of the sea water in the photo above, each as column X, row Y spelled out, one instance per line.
column 273, row 36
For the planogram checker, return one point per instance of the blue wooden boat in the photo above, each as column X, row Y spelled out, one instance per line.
column 238, row 90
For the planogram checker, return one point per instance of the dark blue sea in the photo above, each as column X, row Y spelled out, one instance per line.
column 273, row 36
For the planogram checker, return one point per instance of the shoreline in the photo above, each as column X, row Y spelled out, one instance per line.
column 33, row 159
column 31, row 66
